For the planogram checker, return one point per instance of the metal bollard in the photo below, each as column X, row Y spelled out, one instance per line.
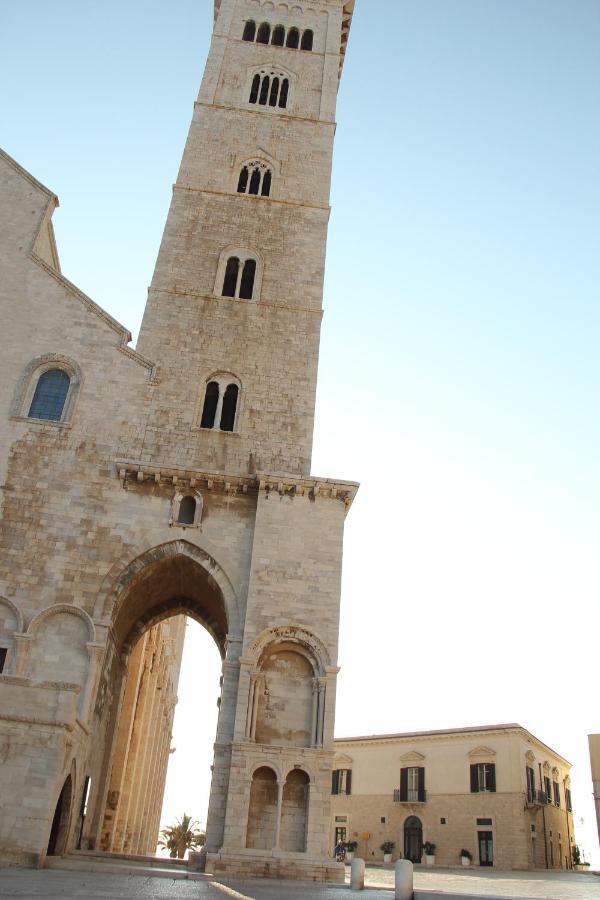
column 404, row 880
column 357, row 874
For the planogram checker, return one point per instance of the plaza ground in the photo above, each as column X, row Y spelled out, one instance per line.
column 429, row 885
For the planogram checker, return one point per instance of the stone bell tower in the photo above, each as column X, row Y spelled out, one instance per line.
column 233, row 322
column 176, row 479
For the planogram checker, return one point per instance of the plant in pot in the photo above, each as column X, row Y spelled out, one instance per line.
column 465, row 857
column 429, row 849
column 351, row 850
column 388, row 849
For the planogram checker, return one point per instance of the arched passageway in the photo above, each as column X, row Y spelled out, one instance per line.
column 60, row 823
column 151, row 598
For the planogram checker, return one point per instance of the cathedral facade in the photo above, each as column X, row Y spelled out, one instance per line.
column 140, row 485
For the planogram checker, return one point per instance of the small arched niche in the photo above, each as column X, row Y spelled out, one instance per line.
column 11, row 621
column 262, row 810
column 60, row 651
column 285, row 707
column 294, row 812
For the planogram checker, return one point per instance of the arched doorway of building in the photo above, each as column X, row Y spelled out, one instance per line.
column 60, row 823
column 134, row 713
column 413, row 839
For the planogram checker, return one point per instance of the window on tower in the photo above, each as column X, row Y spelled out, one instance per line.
column 237, row 275
column 264, row 33
column 249, row 31
column 270, row 88
column 278, row 37
column 220, row 405
column 293, row 39
column 307, row 40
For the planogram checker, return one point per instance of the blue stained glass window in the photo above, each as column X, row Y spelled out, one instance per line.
column 50, row 395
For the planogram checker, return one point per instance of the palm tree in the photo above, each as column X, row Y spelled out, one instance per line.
column 184, row 835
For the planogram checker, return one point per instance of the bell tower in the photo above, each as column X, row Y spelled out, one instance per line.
column 234, row 309
column 233, row 324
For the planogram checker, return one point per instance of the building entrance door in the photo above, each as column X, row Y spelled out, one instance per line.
column 486, row 848
column 413, row 839
column 340, row 835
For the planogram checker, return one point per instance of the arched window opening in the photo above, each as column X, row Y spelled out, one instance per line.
column 264, row 91
column 254, row 182
column 283, row 96
column 249, row 31
column 211, row 399
column 307, row 40
column 293, row 39
column 247, row 282
column 243, row 180
column 264, row 33
column 187, row 509
column 229, row 407
column 254, row 89
column 266, row 185
column 50, row 395
column 231, row 276
column 278, row 38
column 274, row 92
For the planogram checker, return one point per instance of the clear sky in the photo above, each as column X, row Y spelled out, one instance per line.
column 459, row 375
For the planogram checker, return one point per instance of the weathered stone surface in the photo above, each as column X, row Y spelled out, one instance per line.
column 93, row 549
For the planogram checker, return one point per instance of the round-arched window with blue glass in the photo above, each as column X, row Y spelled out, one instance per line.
column 50, row 395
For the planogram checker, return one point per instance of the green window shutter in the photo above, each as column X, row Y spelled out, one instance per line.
column 491, row 780
column 404, row 784
column 474, row 779
column 421, row 784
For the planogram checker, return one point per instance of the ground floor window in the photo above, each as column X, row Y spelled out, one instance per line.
column 340, row 836
column 486, row 848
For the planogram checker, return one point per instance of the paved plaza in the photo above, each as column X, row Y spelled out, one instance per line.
column 436, row 885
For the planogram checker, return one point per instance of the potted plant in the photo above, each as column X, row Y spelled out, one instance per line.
column 351, row 850
column 429, row 849
column 465, row 857
column 578, row 865
column 388, row 849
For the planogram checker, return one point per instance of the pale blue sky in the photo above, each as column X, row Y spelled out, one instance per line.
column 459, row 378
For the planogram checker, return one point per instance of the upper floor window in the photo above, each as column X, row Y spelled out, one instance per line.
column 483, row 777
column 3, row 655
column 412, row 784
column 341, row 781
column 220, row 407
column 270, row 88
column 50, row 395
column 556, row 789
column 531, row 790
column 255, row 178
column 547, row 789
column 278, row 37
column 187, row 510
column 568, row 800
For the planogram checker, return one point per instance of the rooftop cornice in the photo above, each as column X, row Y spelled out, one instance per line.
column 140, row 472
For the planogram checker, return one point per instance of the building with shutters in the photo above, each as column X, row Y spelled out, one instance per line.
column 496, row 791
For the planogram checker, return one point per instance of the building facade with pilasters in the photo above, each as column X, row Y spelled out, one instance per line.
column 496, row 791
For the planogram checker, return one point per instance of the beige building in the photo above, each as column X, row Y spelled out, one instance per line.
column 594, row 744
column 138, row 485
column 496, row 791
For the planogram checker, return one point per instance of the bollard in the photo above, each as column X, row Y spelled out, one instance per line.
column 357, row 874
column 404, row 880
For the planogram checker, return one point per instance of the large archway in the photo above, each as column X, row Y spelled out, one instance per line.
column 59, row 830
column 150, row 596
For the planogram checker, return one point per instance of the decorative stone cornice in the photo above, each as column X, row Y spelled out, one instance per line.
column 139, row 472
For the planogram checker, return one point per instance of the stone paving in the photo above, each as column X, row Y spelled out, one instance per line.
column 437, row 885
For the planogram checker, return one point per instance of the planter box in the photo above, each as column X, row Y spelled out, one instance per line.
column 430, row 860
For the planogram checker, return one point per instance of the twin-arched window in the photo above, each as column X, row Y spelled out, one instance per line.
column 255, row 178
column 239, row 278
column 278, row 37
column 270, row 88
column 220, row 407
column 50, row 395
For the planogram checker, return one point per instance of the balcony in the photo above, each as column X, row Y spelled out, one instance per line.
column 536, row 798
column 411, row 796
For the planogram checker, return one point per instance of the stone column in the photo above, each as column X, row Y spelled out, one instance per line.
column 280, row 787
